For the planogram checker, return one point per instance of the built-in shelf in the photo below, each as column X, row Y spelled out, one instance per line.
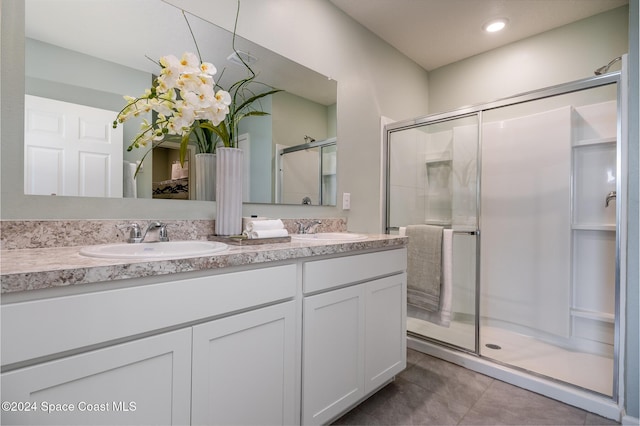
column 598, row 316
column 592, row 227
column 438, row 157
column 597, row 141
column 437, row 222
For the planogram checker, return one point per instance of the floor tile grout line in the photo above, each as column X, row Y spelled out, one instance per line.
column 476, row 401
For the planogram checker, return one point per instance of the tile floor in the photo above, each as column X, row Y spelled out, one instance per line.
column 435, row 392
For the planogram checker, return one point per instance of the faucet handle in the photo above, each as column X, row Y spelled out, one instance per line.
column 163, row 235
column 135, row 233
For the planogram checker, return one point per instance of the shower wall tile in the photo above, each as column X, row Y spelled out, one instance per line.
column 407, row 206
column 596, row 121
column 594, row 177
column 408, row 178
column 526, row 215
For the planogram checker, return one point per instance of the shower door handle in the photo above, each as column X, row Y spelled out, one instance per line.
column 467, row 232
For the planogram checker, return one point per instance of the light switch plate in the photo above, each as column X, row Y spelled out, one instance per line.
column 346, row 201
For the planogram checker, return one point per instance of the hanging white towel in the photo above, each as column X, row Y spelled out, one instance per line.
column 446, row 292
column 129, row 187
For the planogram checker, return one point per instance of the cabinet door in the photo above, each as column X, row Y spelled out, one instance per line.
column 142, row 382
column 244, row 368
column 386, row 329
column 333, row 353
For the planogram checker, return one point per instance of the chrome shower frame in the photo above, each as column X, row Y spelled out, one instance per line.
column 605, row 406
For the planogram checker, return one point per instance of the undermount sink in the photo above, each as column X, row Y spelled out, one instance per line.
column 329, row 236
column 164, row 250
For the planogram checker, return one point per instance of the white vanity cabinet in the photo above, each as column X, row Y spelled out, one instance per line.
column 354, row 330
column 244, row 368
column 229, row 356
column 296, row 341
column 146, row 381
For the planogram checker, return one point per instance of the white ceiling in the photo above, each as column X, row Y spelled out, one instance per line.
column 435, row 33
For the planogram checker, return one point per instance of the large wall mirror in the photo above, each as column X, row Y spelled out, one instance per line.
column 82, row 56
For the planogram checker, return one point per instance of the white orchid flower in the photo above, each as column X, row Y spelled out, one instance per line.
column 223, row 97
column 208, row 68
column 190, row 63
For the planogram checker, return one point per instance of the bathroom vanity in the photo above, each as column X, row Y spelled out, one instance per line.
column 288, row 333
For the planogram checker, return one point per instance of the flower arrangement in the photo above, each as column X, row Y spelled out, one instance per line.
column 187, row 101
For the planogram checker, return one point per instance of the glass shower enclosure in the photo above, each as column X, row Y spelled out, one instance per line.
column 528, row 187
column 307, row 173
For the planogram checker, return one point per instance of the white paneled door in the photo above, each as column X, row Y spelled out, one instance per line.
column 71, row 149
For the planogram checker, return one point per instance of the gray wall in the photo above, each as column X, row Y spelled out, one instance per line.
column 558, row 56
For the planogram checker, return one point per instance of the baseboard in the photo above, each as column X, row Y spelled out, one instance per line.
column 630, row 421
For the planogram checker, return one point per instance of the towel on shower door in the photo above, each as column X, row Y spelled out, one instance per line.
column 424, row 264
column 429, row 273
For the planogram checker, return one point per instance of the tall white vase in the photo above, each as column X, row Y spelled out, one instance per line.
column 229, row 175
column 206, row 177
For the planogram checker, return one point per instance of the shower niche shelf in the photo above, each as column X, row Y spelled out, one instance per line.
column 593, row 224
column 594, row 171
column 595, row 141
column 592, row 227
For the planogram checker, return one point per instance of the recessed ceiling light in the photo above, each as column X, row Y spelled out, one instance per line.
column 495, row 25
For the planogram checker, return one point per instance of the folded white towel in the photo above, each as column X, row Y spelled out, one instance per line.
column 263, row 225
column 266, row 233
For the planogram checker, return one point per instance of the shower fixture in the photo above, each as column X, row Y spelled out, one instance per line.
column 308, row 139
column 610, row 196
column 605, row 68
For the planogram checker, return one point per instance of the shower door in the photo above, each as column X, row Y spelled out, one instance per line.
column 432, row 180
column 548, row 222
column 529, row 186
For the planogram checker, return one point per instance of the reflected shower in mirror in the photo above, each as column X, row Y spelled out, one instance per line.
column 90, row 54
column 307, row 173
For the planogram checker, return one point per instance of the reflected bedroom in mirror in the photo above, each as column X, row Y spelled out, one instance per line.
column 82, row 57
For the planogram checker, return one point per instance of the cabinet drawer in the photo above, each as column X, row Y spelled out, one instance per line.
column 325, row 274
column 73, row 322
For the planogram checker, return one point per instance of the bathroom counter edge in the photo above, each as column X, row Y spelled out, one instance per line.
column 33, row 269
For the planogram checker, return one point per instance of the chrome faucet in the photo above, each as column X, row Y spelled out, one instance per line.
column 309, row 228
column 158, row 229
column 135, row 234
column 610, row 196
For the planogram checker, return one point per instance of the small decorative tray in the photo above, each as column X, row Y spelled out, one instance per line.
column 241, row 240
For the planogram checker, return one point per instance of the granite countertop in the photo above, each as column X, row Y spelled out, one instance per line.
column 32, row 269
